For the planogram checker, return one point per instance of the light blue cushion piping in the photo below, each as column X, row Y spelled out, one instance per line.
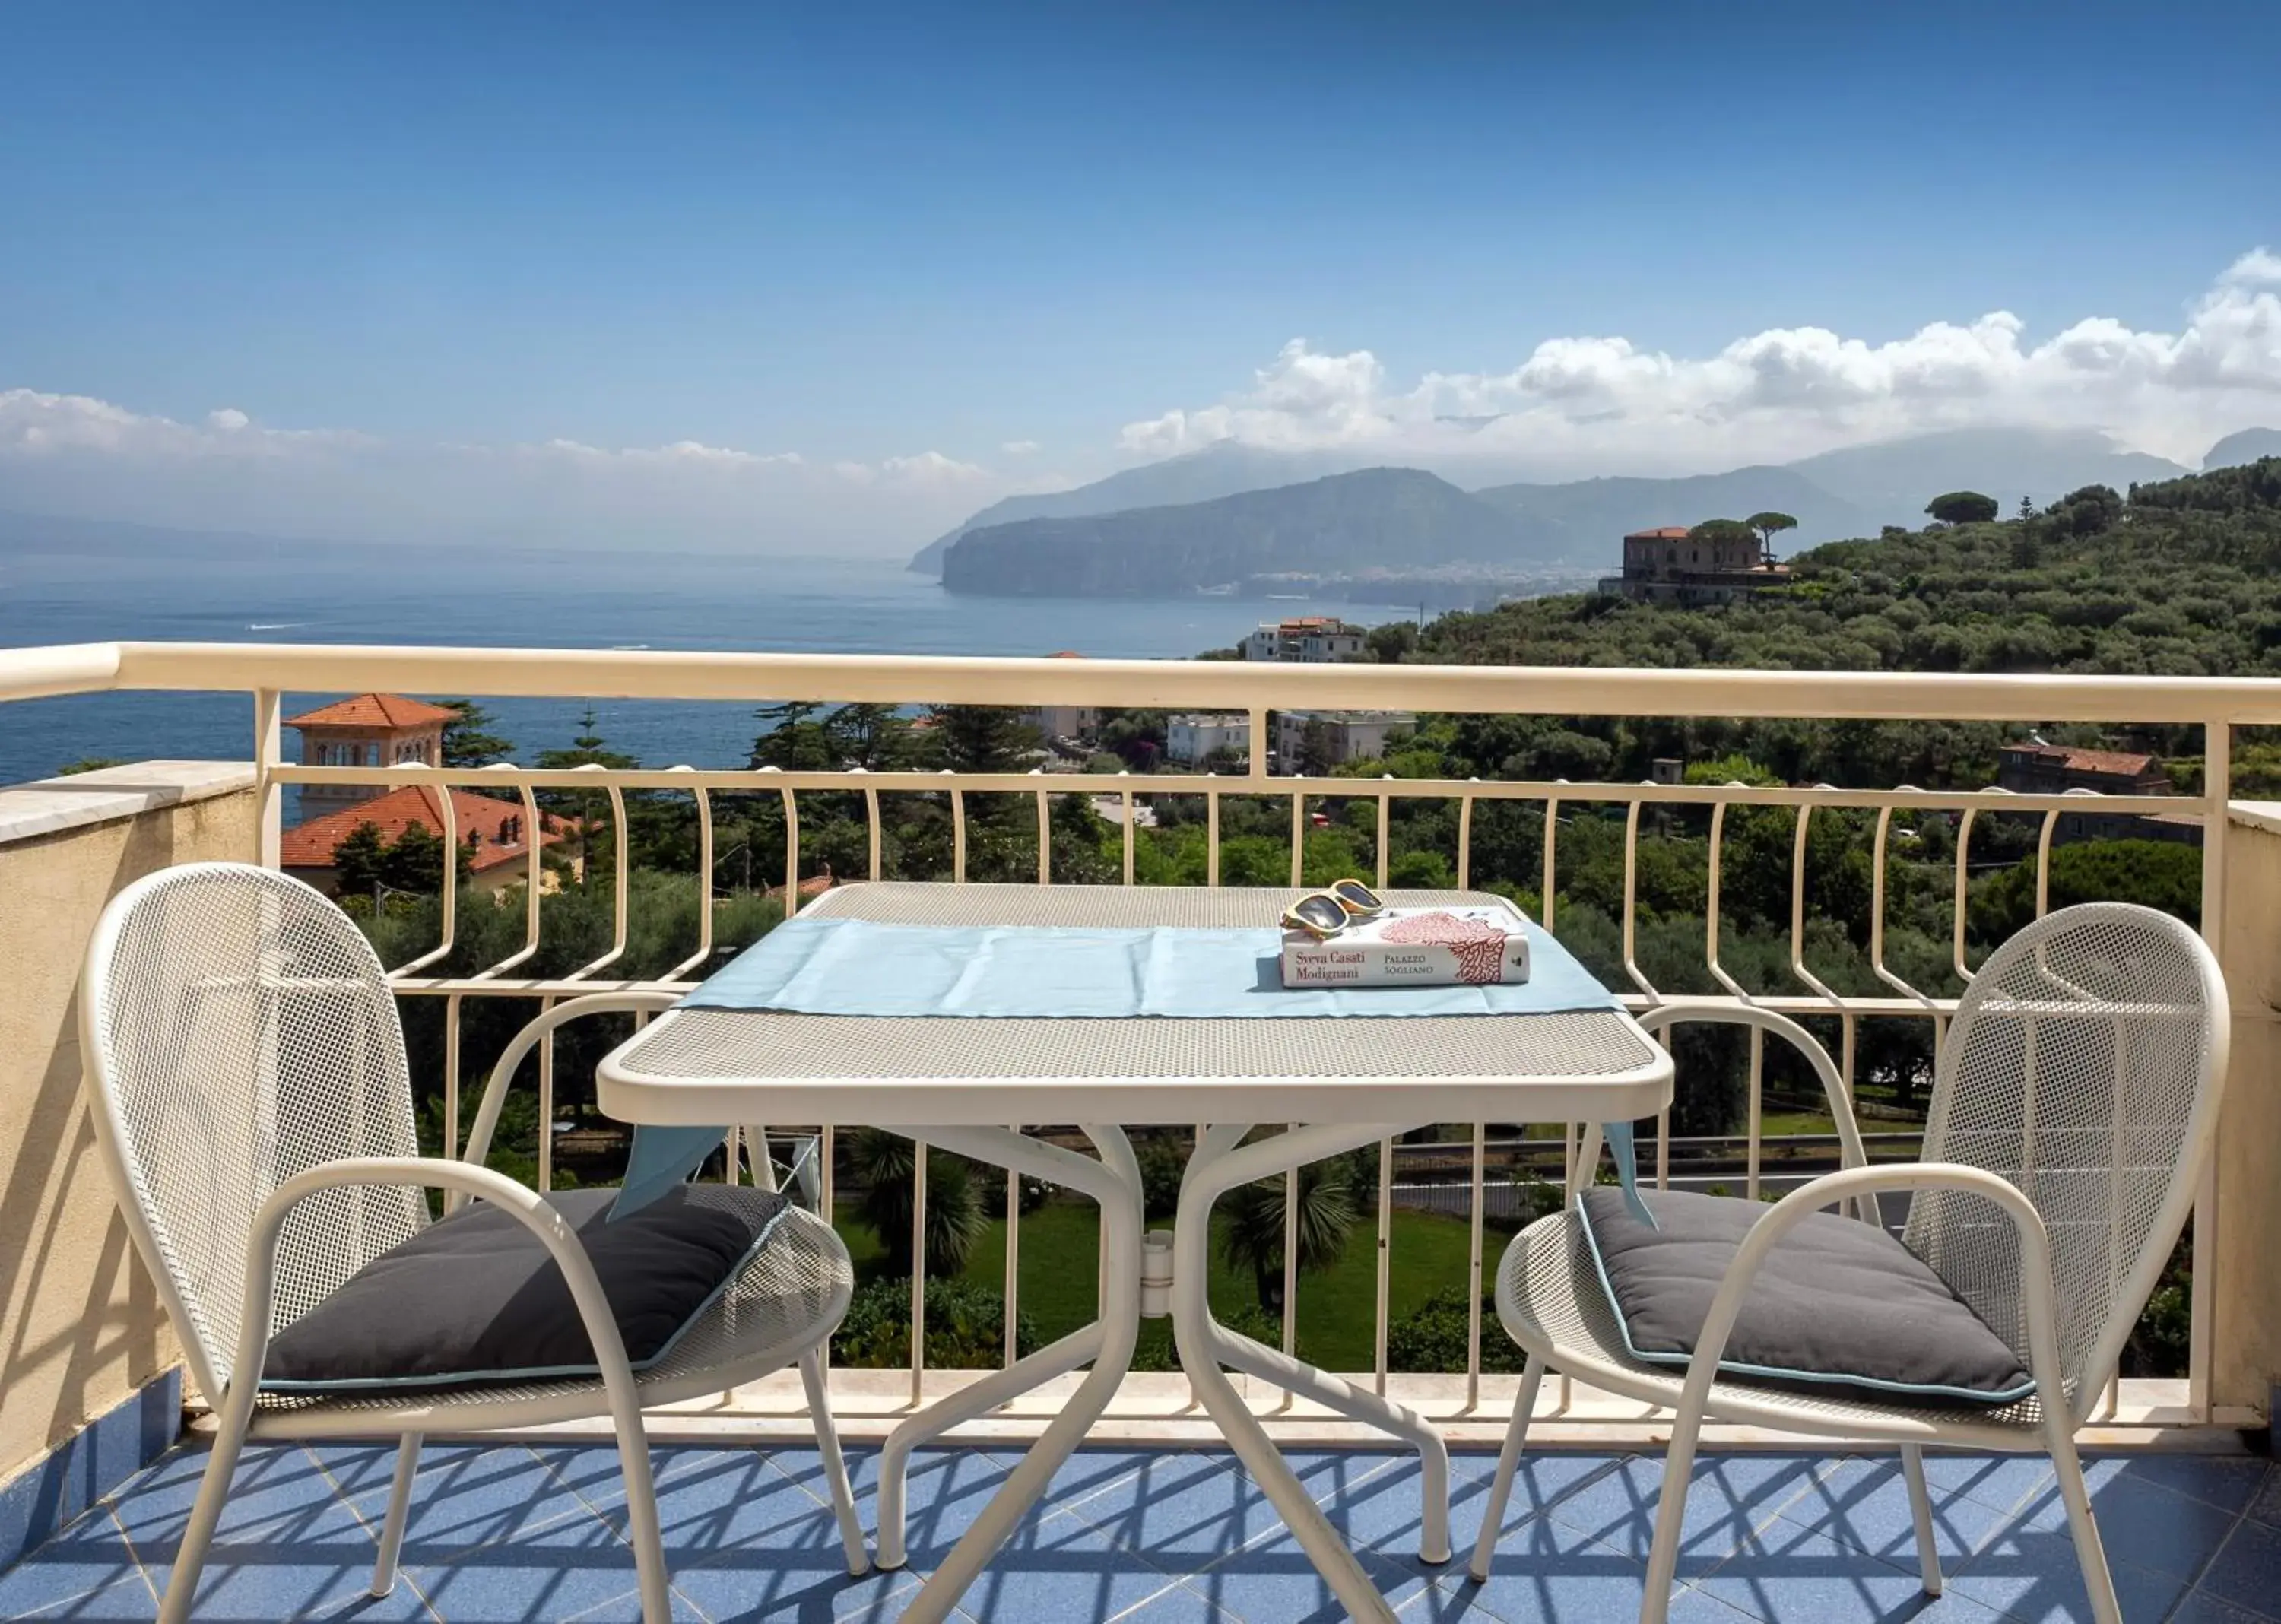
column 554, row 1372
column 1735, row 1367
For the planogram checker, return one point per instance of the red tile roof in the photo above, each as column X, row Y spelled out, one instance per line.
column 1067, row 654
column 310, row 845
column 1669, row 532
column 374, row 710
column 2120, row 763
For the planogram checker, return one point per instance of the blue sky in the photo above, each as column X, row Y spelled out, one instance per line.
column 867, row 235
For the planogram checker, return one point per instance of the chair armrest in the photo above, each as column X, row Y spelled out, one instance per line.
column 520, row 1200
column 1853, row 1182
column 487, row 1116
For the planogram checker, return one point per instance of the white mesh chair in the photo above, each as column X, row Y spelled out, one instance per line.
column 2073, row 1109
column 245, row 1072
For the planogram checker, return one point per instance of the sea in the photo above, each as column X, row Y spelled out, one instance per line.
column 519, row 597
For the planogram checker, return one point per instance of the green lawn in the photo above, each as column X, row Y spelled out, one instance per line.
column 1337, row 1308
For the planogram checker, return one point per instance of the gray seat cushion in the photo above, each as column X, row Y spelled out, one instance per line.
column 476, row 1298
column 1839, row 1306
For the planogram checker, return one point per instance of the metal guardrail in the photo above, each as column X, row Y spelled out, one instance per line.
column 268, row 671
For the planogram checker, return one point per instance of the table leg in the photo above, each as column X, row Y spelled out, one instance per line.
column 1217, row 1167
column 1115, row 1182
column 977, row 1398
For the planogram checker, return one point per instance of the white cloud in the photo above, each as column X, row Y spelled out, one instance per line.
column 1595, row 404
column 681, row 453
column 36, row 424
column 77, row 454
column 2259, row 267
column 1020, row 448
column 932, row 467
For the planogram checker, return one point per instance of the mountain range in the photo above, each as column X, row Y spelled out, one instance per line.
column 1341, row 523
column 1231, row 512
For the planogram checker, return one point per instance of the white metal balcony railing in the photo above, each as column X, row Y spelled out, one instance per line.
column 268, row 671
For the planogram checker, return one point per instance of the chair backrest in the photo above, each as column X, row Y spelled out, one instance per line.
column 2085, row 1067
column 238, row 1029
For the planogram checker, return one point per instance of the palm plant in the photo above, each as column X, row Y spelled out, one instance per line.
column 882, row 1163
column 1253, row 1238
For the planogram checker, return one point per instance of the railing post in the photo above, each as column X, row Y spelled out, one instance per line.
column 268, row 755
column 2237, row 1326
column 2217, row 785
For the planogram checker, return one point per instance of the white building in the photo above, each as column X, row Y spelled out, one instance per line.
column 1347, row 735
column 1311, row 639
column 1190, row 740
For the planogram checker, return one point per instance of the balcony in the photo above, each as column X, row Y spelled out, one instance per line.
column 1159, row 1526
column 1169, row 1536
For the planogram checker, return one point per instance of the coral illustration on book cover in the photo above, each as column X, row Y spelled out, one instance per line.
column 1477, row 945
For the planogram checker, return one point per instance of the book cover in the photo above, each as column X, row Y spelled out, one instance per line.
column 1438, row 947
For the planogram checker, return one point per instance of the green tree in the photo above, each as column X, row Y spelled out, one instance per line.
column 1253, row 1238
column 792, row 738
column 596, row 845
column 366, row 864
column 1963, row 508
column 982, row 738
column 1713, row 531
column 1392, row 643
column 876, row 737
column 469, row 740
column 1770, row 524
column 1318, row 754
column 90, row 763
column 884, row 1164
column 2158, row 874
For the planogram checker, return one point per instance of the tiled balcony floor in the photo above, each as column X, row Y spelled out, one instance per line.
column 1165, row 1537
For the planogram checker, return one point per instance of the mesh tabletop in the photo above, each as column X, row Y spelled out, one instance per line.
column 1332, row 1057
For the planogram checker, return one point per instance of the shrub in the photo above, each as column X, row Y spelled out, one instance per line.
column 1432, row 1337
column 1244, row 1320
column 990, row 1190
column 965, row 1327
column 1162, row 1159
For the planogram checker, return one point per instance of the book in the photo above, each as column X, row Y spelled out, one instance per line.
column 1412, row 947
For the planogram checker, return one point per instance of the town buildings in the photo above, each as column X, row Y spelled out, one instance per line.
column 2031, row 767
column 1337, row 737
column 1190, row 740
column 1311, row 639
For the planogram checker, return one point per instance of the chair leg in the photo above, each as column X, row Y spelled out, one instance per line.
column 1670, row 1513
column 835, row 1466
column 641, row 1519
column 1920, row 1511
column 2090, row 1554
column 206, row 1514
column 1516, row 1437
column 400, row 1506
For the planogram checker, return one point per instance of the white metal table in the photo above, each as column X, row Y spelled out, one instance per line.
column 1349, row 1081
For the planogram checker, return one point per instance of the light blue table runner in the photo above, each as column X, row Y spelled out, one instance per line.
column 862, row 967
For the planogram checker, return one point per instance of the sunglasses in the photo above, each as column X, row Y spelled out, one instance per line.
column 1326, row 913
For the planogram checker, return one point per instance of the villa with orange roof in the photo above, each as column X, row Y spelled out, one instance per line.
column 387, row 729
column 496, row 832
column 367, row 730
